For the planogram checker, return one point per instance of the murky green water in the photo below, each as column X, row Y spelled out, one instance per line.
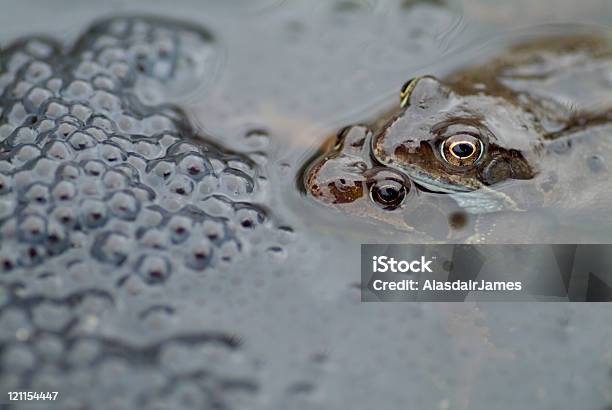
column 287, row 74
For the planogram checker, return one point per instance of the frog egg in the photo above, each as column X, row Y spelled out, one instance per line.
column 18, row 60
column 24, row 153
column 17, row 114
column 57, row 239
column 49, row 347
column 114, row 179
column 18, row 358
column 55, row 109
column 37, row 193
column 43, row 169
column 166, row 141
column 208, row 185
column 235, row 183
column 20, row 89
column 51, row 317
column 64, row 130
column 180, row 185
column 36, row 97
column 148, row 150
column 217, row 165
column 92, row 178
column 55, row 85
column 124, row 206
column 103, row 122
column 81, row 141
column 39, row 48
column 128, row 124
column 213, row 230
column 153, row 269
column 68, row 172
column 32, row 229
column 23, row 179
column 188, row 395
column 111, row 153
column 105, row 102
column 83, row 352
column 145, row 193
column 70, row 119
column 43, row 127
column 180, row 228
column 156, row 123
column 57, row 150
column 64, row 191
column 94, row 167
column 229, row 250
column 21, row 136
column 131, row 169
column 104, row 82
column 86, row 70
column 31, row 255
column 64, row 216
column 111, row 247
column 154, row 239
column 199, row 255
column 5, row 184
column 249, row 218
column 93, row 213
column 5, row 131
column 37, row 71
column 163, row 169
column 97, row 133
column 181, row 147
column 7, row 208
column 217, row 207
column 5, row 80
column 195, row 166
column 80, row 111
column 15, row 322
column 78, row 90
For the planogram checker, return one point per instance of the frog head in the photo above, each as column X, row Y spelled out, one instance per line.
column 450, row 142
column 346, row 177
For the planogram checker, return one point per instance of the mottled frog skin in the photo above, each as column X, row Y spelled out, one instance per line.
column 530, row 128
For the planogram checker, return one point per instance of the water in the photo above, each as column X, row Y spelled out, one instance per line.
column 283, row 326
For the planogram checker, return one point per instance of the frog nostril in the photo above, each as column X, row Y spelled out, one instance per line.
column 411, row 144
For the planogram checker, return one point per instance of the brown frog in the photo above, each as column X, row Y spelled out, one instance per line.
column 530, row 128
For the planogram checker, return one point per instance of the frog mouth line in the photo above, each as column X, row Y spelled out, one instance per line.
column 434, row 186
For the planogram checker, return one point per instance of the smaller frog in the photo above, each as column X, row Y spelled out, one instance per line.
column 482, row 128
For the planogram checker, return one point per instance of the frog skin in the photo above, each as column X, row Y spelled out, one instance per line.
column 509, row 134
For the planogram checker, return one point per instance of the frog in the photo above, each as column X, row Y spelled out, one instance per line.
column 529, row 128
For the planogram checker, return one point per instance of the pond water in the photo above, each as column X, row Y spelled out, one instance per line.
column 282, row 77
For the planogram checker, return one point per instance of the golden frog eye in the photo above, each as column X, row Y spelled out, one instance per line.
column 462, row 150
column 406, row 90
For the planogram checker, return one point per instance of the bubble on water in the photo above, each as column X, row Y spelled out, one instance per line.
column 596, row 164
column 257, row 138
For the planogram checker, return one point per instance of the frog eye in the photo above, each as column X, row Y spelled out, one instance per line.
column 462, row 150
column 388, row 193
column 407, row 90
